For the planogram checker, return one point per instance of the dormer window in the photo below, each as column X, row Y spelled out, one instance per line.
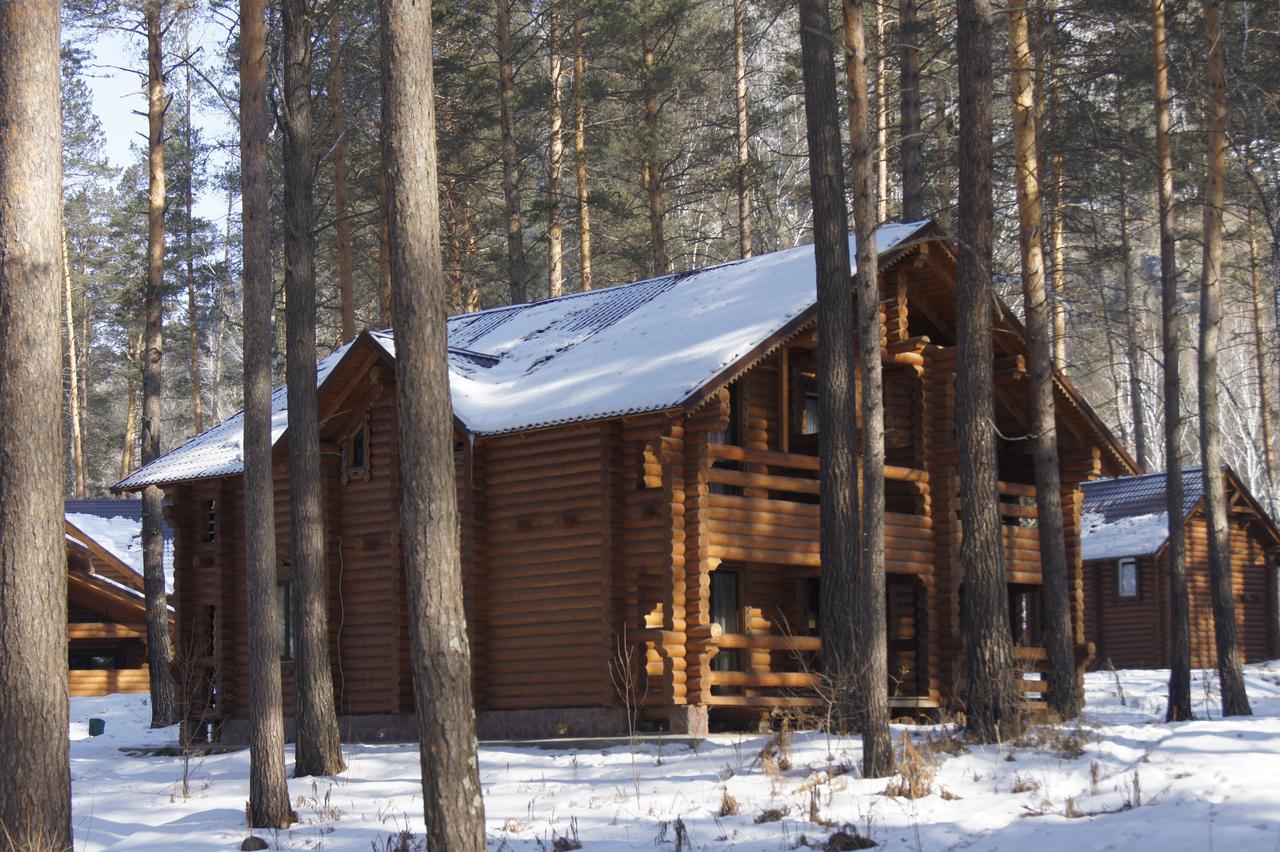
column 356, row 452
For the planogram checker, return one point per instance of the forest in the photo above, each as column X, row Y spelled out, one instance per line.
column 589, row 144
column 310, row 169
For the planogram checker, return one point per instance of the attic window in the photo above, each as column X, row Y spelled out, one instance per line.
column 356, row 452
column 1127, row 579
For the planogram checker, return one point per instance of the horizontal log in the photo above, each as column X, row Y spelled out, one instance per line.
column 770, row 642
column 105, row 630
column 762, row 701
column 790, row 680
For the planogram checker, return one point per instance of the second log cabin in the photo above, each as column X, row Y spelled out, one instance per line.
column 637, row 472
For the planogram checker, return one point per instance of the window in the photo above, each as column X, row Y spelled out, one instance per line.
column 284, row 619
column 726, row 611
column 211, row 521
column 355, row 452
column 1127, row 578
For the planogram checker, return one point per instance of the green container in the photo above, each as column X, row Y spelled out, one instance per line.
column 97, row 727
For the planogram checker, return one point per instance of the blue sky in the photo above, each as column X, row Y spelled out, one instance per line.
column 119, row 97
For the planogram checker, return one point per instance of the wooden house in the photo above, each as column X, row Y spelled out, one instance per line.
column 637, row 474
column 1126, row 540
column 106, row 610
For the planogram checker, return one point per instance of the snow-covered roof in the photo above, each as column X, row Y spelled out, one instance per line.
column 634, row 348
column 116, row 527
column 1127, row 516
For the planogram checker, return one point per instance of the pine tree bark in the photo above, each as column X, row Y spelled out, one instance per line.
column 910, row 138
column 164, row 709
column 1064, row 694
column 268, row 788
column 193, row 314
column 1179, row 707
column 131, row 407
column 1235, row 702
column 838, row 483
column 342, row 225
column 384, row 250
column 871, row 688
column 35, row 795
column 743, row 135
column 882, row 122
column 580, row 152
column 555, row 155
column 319, row 750
column 517, row 271
column 1260, row 358
column 992, row 704
column 1058, row 241
column 651, row 168
column 73, row 372
column 440, row 655
column 1132, row 327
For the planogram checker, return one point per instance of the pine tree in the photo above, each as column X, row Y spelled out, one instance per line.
column 35, row 796
column 268, row 789
column 440, row 655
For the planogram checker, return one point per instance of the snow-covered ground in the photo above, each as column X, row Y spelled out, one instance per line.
column 1118, row 779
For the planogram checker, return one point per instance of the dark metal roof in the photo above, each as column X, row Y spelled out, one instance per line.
column 113, row 508
column 1135, row 496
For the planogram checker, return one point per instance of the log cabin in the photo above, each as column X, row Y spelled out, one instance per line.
column 1126, row 537
column 106, row 610
column 637, row 474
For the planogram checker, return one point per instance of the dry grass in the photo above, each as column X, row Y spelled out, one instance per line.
column 728, row 804
column 847, row 838
column 916, row 770
column 1023, row 784
column 770, row 815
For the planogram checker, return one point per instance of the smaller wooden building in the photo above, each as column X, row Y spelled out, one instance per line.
column 106, row 609
column 1125, row 543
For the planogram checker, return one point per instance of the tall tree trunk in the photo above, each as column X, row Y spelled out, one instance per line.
column 555, row 155
column 882, row 122
column 1235, row 702
column 384, row 250
column 1132, row 325
column 131, row 407
column 35, row 795
column 225, row 292
column 910, row 139
column 440, row 655
column 652, row 168
column 268, row 788
column 159, row 653
column 1179, row 708
column 992, row 702
column 580, row 151
column 342, row 226
column 744, row 151
column 1064, row 694
column 517, row 272
column 1260, row 360
column 319, row 750
column 871, row 688
column 73, row 371
column 838, row 482
column 188, row 198
column 1058, row 241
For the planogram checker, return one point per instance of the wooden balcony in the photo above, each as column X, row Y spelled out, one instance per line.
column 767, row 511
column 1020, row 532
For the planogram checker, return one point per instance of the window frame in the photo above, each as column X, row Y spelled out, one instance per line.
column 351, row 471
column 1136, row 594
column 285, row 615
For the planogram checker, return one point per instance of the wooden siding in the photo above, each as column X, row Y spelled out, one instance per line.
column 588, row 548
